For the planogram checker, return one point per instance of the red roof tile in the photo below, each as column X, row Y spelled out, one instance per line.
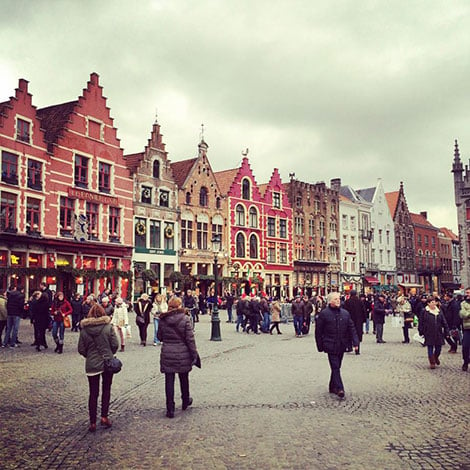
column 418, row 219
column 449, row 234
column 133, row 160
column 181, row 170
column 54, row 119
column 392, row 201
column 225, row 179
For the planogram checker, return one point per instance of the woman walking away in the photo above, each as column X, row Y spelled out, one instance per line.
column 97, row 342
column 433, row 326
column 276, row 316
column 142, row 310
column 404, row 308
column 120, row 320
column 179, row 352
column 60, row 309
column 159, row 306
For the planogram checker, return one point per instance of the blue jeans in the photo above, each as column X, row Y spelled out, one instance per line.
column 434, row 350
column 58, row 331
column 367, row 324
column 239, row 322
column 466, row 347
column 335, row 365
column 155, row 330
column 266, row 321
column 229, row 313
column 298, row 322
column 11, row 335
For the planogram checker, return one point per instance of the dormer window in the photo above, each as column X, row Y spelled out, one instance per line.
column 146, row 195
column 23, row 130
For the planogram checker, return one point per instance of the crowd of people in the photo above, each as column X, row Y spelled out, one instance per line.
column 340, row 322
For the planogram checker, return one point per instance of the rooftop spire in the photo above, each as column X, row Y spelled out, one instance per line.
column 457, row 166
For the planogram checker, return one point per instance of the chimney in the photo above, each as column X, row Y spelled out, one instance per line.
column 424, row 214
column 335, row 184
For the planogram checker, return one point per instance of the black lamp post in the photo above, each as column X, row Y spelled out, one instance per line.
column 362, row 268
column 215, row 321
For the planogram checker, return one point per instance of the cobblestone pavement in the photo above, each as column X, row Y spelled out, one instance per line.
column 259, row 402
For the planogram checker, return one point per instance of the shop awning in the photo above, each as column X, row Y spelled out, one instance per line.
column 371, row 280
column 408, row 285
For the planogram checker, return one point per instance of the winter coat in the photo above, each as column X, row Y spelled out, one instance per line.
column 97, row 342
column 433, row 326
column 61, row 309
column 159, row 308
column 40, row 311
column 76, row 304
column 297, row 308
column 379, row 312
column 3, row 308
column 276, row 311
column 179, row 346
column 451, row 311
column 358, row 315
column 335, row 331
column 143, row 308
column 465, row 314
column 15, row 303
column 120, row 316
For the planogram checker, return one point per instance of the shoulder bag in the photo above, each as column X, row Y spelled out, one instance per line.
column 112, row 365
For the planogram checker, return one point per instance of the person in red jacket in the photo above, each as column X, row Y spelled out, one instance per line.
column 60, row 309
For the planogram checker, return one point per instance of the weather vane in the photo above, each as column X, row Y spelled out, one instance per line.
column 156, row 115
column 245, row 152
column 202, row 132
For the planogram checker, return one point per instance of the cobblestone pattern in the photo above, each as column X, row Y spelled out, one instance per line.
column 259, row 402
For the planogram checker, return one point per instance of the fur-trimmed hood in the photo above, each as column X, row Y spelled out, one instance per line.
column 94, row 326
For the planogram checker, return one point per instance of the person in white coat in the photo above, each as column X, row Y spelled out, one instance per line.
column 120, row 320
column 159, row 306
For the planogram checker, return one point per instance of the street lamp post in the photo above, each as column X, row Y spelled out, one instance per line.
column 362, row 268
column 215, row 321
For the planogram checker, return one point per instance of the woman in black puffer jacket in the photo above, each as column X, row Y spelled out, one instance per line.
column 178, row 354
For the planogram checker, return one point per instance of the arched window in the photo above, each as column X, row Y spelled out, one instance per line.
column 240, row 215
column 218, row 203
column 240, row 245
column 253, row 246
column 188, row 198
column 203, row 197
column 253, row 217
column 156, row 169
column 246, row 189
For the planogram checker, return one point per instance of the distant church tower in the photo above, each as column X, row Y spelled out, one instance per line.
column 462, row 201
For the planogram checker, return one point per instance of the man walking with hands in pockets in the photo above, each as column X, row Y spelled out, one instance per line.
column 334, row 332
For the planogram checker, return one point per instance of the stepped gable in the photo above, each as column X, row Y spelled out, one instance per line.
column 181, row 170
column 225, row 179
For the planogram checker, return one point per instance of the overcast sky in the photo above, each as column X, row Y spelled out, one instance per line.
column 355, row 89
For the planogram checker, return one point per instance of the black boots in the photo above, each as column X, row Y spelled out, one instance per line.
column 187, row 402
column 59, row 348
column 170, row 410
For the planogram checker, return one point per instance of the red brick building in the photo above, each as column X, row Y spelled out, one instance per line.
column 428, row 265
column 260, row 231
column 66, row 195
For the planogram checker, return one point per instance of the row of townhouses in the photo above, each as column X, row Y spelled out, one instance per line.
column 79, row 213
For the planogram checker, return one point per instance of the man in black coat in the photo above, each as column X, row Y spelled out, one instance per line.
column 451, row 309
column 15, row 309
column 334, row 332
column 357, row 311
column 379, row 317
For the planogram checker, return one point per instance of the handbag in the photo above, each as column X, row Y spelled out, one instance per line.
column 67, row 322
column 140, row 319
column 113, row 365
